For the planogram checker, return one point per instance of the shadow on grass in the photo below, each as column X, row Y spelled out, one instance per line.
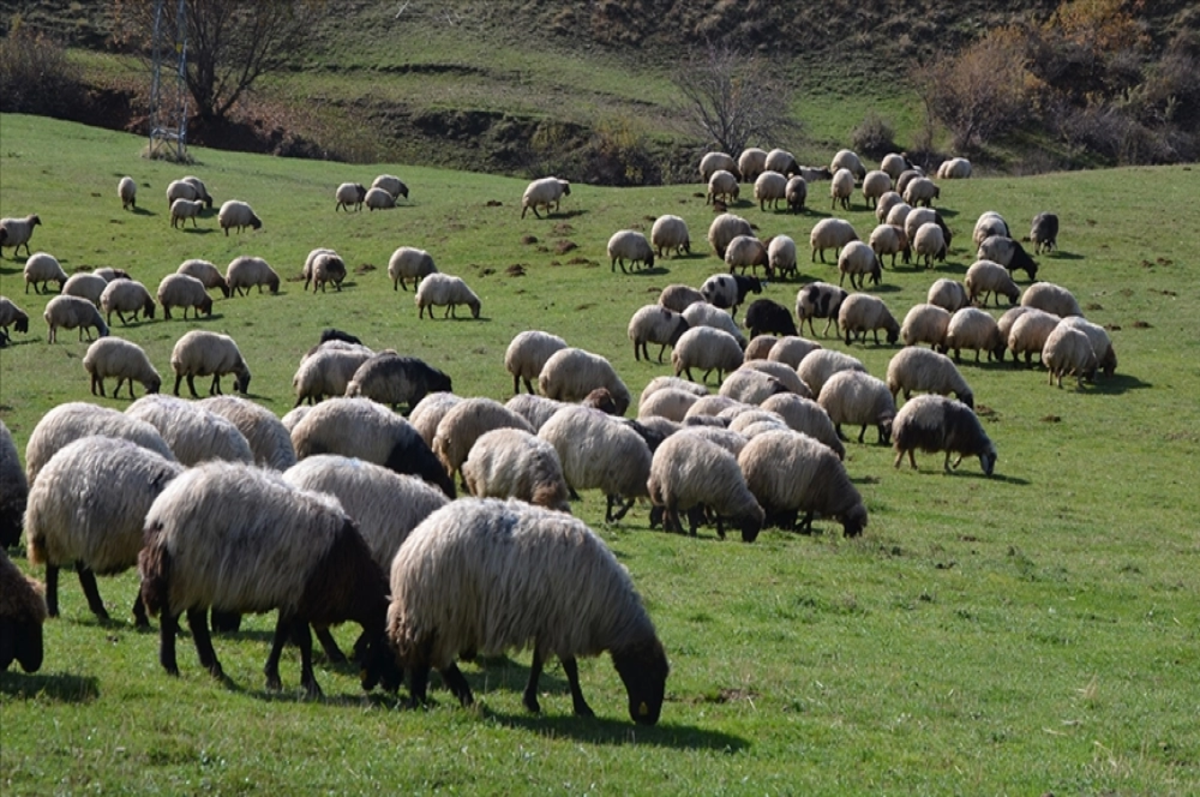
column 61, row 687
column 1118, row 383
column 653, row 271
column 143, row 212
column 1058, row 254
column 198, row 230
column 616, row 732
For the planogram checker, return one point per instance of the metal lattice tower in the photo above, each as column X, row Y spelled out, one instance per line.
column 168, row 108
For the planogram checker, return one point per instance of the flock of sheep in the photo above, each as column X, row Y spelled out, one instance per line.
column 352, row 511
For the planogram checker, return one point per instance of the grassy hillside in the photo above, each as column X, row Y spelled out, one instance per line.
column 1029, row 633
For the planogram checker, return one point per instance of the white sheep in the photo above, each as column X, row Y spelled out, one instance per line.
column 120, row 358
column 708, row 349
column 86, row 286
column 897, row 216
column 885, row 203
column 322, row 267
column 108, row 274
column 689, row 472
column 126, row 296
column 182, row 290
column 747, row 251
column 181, row 189
column 194, row 434
column 43, row 267
column 725, row 228
column 1069, row 352
column 782, row 161
column 599, row 452
column 988, row 277
column 654, row 323
column 244, row 272
column 184, row 209
column 707, row 315
column 919, row 216
column 930, row 243
column 429, row 413
column 17, row 232
column 465, row 423
column 348, row 194
column 925, row 323
column 921, row 191
column 830, row 234
column 570, row 374
column 629, row 245
column 527, row 353
column 861, row 313
column 841, row 188
column 818, row 300
column 874, row 185
column 409, row 263
column 14, row 490
column 11, row 316
column 204, row 353
column 816, row 368
column 750, row 386
column 859, row 399
column 201, row 192
column 732, row 442
column 796, row 193
column 76, row 419
column 127, row 193
column 1029, row 332
column 70, row 312
column 789, row 472
column 972, row 328
column 751, row 163
column 513, row 463
column 483, row 576
column 1008, row 253
column 1051, row 298
column 235, row 213
column 206, row 272
column 294, row 416
column 713, row 161
column 847, row 159
column 770, row 186
column 670, row 382
column 544, row 192
column 670, row 234
column 678, row 297
column 858, row 260
column 327, row 372
column 927, row 371
column 749, row 420
column 1101, row 343
column 954, row 169
column 722, row 186
column 534, row 408
column 87, row 510
column 392, row 184
column 893, row 164
column 443, row 290
column 781, row 256
column 710, row 406
column 936, row 423
column 802, row 414
column 670, row 403
column 950, row 295
column 781, row 371
column 988, row 224
column 888, row 239
column 270, row 441
column 22, row 614
column 379, row 199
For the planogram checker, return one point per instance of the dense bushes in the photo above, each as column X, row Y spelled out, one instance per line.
column 36, row 75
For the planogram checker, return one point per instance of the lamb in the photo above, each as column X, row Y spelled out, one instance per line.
column 73, row 420
column 348, row 194
column 729, row 291
column 725, row 228
column 430, row 410
column 328, row 372
column 816, row 369
column 86, row 286
column 126, row 296
column 570, row 374
column 841, row 188
column 875, row 184
column 919, row 216
column 925, row 323
column 201, row 192
column 597, row 451
column 86, row 511
column 379, row 199
column 670, row 234
column 236, row 213
column 948, row 294
column 770, row 186
column 17, row 232
column 456, row 590
column 746, row 250
column 678, row 297
column 394, row 380
column 654, row 323
column 270, row 441
column 543, row 193
column 14, row 489
column 194, row 434
column 706, row 348
column 44, row 268
column 818, row 300
column 1068, row 351
column 931, row 243
column 751, row 163
column 1029, row 332
column 887, row 201
column 749, row 386
column 1051, row 298
column 789, row 472
column 443, row 290
column 855, row 397
column 207, row 273
column 670, row 403
column 830, row 234
column 972, row 328
column 688, row 471
column 629, row 245
column 122, row 359
column 924, row 370
column 1044, row 232
column 409, row 263
column 936, row 423
column 1008, row 253
column 127, row 193
column 846, row 159
column 712, row 161
column 859, row 261
column 22, row 612
column 358, row 427
column 861, row 313
column 803, row 414
column 465, row 423
column 894, row 164
column 181, row 290
column 988, row 277
column 1101, row 343
column 954, row 169
column 245, row 272
column 723, row 187
column 780, row 371
column 203, row 353
column 11, row 316
column 887, row 239
column 69, row 312
column 184, row 209
column 527, row 354
column 512, row 463
column 988, row 224
column 765, row 315
column 796, row 193
column 291, row 550
column 392, row 184
column 707, row 315
column 759, row 347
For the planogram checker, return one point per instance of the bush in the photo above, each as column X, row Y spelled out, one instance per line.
column 36, row 76
column 873, row 137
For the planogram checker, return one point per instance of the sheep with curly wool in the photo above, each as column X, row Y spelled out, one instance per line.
column 204, row 353
column 245, row 272
column 1051, row 298
column 270, row 441
column 654, row 323
column 512, row 463
column 935, row 423
column 986, row 277
column 689, row 472
column 207, row 273
column 1101, row 342
column 724, row 229
column 708, row 349
column 391, row 379
column 14, row 490
column 69, row 312
column 915, row 369
column 429, row 413
column 43, row 267
column 857, row 398
column 570, row 374
column 830, row 234
column 972, row 328
column 17, row 232
column 950, row 295
column 73, row 420
column 86, row 286
column 465, row 423
column 1069, row 352
column 235, row 213
column 181, row 290
column 443, row 290
column 123, row 359
column 925, row 323
column 805, row 415
column 599, row 452
column 194, row 433
column 861, row 313
column 22, row 612
column 630, row 245
column 816, row 368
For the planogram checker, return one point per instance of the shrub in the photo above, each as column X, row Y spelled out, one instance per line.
column 873, row 137
column 36, row 75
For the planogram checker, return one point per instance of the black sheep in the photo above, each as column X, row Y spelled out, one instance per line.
column 767, row 317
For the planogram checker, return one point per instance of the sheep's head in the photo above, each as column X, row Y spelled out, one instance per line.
column 273, row 283
column 643, row 669
column 255, row 222
column 854, row 521
column 148, row 308
column 681, row 326
column 206, row 305
column 153, row 384
column 475, row 307
column 987, row 459
column 241, row 382
column 22, row 325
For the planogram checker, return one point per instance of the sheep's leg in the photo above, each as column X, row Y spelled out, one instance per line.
column 456, row 682
column 862, row 432
column 52, row 590
column 837, row 427
column 329, row 645
column 168, row 629
column 958, row 461
column 87, row 580
column 582, row 709
column 304, row 640
column 530, row 698
column 624, row 509
column 215, row 389
column 271, row 668
column 140, row 620
column 529, row 386
column 191, row 386
column 946, row 464
column 198, row 622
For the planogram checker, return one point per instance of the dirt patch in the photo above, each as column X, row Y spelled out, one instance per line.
column 564, row 246
column 515, row 270
column 1051, row 419
column 364, row 269
column 529, row 239
column 1141, row 325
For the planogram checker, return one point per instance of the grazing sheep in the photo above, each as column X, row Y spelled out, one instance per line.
column 747, row 251
column 988, row 224
column 328, row 372
column 782, row 161
column 936, row 423
column 722, row 187
column 748, row 420
column 887, row 201
column 729, row 291
column 930, row 243
column 667, row 382
column 126, row 296
column 671, row 403
column 796, row 193
column 270, row 441
column 770, row 186
column 203, row 353
column 906, row 177
column 527, row 354
column 897, row 216
column 859, row 261
column 830, row 234
column 294, row 416
column 86, row 511
column 512, row 463
column 928, row 371
column 443, row 290
column 670, row 234
column 1068, row 351
column 69, row 312
column 816, row 368
column 874, row 185
column 759, row 347
column 948, row 294
column 781, row 257
column 73, row 420
column 678, row 297
column 242, row 539
column 987, row 277
column 711, row 405
column 207, row 273
column 323, row 266
column 972, row 328
column 1008, row 253
column 109, row 274
column 409, row 263
column 857, row 398
column 887, row 239
column 750, row 386
column 751, row 163
column 1044, row 232
column 725, row 228
column 11, row 315
column 846, row 159
column 348, row 194
column 394, row 380
column 1006, row 321
column 430, row 410
column 22, row 612
column 954, row 169
column 629, row 245
column 925, row 323
column 789, row 472
column 194, row 434
column 184, row 209
column 780, row 371
column 1029, row 332
column 14, row 489
column 122, row 359
column 17, row 232
column 919, row 216
column 543, row 193
column 570, row 374
column 1051, row 298
column 921, row 192
column 245, row 272
column 654, row 323
column 198, row 186
column 481, row 576
column 894, row 164
column 43, row 267
column 804, row 414
column 235, row 213
column 86, row 286
column 712, row 161
column 127, row 193
column 819, row 300
column 181, row 290
column 358, row 427
column 1101, row 343
column 708, row 349
column 379, row 199
column 465, row 423
column 533, row 408
column 841, row 188
column 733, row 442
column 766, row 315
column 706, row 315
column 599, row 452
column 861, row 313
column 687, row 472
column 392, row 184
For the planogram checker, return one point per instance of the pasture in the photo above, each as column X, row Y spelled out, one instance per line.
column 1033, row 632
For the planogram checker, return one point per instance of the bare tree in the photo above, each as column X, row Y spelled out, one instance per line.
column 730, row 100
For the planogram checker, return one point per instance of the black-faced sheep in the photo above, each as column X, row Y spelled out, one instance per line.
column 409, row 263
column 124, row 360
column 654, row 323
column 207, row 273
column 688, row 471
column 919, row 216
column 1101, row 343
column 768, row 316
column 394, row 380
column 930, row 243
column 392, row 185
column 22, row 612
column 235, row 213
column 629, row 245
column 11, row 316
column 323, row 266
column 69, row 312
column 443, row 290
column 203, row 353
column 722, row 187
column 914, row 368
column 1008, row 253
column 935, row 423
column 348, row 194
column 570, row 374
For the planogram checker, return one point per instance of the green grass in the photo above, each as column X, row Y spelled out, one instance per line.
column 1034, row 632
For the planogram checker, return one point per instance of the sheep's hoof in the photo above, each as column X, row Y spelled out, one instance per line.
column 530, row 702
column 273, row 683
